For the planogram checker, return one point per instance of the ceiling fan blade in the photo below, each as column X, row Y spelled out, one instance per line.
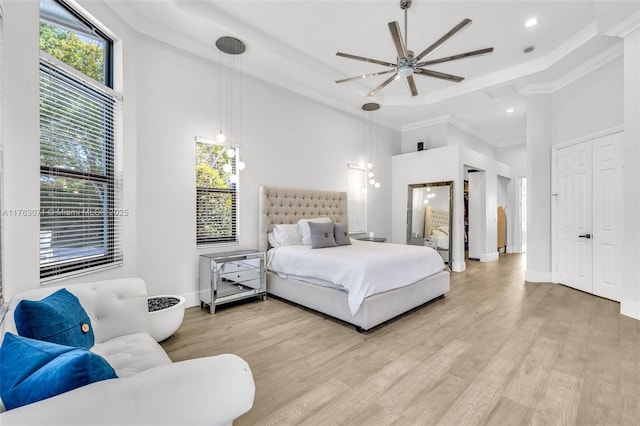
column 437, row 74
column 401, row 49
column 364, row 76
column 361, row 58
column 412, row 86
column 455, row 57
column 429, row 50
column 383, row 85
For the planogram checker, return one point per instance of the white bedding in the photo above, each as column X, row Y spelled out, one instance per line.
column 362, row 269
column 442, row 238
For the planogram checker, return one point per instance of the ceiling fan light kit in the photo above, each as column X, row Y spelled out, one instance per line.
column 407, row 65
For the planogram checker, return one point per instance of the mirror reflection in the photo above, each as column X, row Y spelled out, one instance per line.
column 430, row 216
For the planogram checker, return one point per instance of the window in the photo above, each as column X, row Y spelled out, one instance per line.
column 216, row 193
column 1, row 153
column 357, row 199
column 80, row 188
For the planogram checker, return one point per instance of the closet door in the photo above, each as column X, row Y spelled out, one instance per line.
column 573, row 216
column 589, row 216
column 607, row 216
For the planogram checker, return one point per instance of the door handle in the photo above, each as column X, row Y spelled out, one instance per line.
column 587, row 236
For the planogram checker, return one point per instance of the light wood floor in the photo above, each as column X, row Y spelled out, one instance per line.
column 496, row 350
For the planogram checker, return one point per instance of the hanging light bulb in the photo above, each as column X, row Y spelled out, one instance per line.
column 231, row 152
column 426, row 201
column 220, row 137
column 233, row 178
column 227, row 168
column 377, row 185
column 370, row 174
column 372, row 181
column 369, row 165
column 241, row 165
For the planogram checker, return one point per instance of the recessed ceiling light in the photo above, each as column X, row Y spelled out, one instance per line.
column 510, row 110
column 531, row 22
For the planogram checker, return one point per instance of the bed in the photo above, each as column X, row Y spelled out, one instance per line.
column 288, row 206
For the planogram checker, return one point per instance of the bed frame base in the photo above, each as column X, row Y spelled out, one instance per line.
column 374, row 310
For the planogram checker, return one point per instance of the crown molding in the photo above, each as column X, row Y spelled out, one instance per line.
column 537, row 89
column 626, row 27
column 511, row 142
column 447, row 119
column 471, row 131
column 591, row 65
column 580, row 71
column 589, row 137
column 442, row 119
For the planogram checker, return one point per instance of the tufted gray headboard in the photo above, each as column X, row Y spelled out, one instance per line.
column 286, row 205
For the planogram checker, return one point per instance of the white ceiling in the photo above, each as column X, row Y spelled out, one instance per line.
column 293, row 44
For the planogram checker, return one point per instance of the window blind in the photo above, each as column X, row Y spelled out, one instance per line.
column 216, row 193
column 80, row 183
column 1, row 151
column 357, row 199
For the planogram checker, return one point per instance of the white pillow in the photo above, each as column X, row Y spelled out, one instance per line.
column 438, row 233
column 272, row 240
column 286, row 235
column 303, row 228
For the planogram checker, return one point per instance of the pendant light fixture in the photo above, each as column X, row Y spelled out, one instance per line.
column 368, row 108
column 232, row 48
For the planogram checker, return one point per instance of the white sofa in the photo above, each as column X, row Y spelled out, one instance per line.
column 150, row 389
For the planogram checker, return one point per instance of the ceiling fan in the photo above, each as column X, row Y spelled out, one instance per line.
column 407, row 64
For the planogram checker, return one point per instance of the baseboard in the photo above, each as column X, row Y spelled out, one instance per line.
column 511, row 249
column 191, row 299
column 459, row 267
column 489, row 257
column 538, row 276
column 630, row 309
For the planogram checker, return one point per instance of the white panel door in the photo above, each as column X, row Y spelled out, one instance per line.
column 607, row 216
column 573, row 216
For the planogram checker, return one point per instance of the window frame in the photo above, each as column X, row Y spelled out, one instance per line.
column 102, row 92
column 234, row 191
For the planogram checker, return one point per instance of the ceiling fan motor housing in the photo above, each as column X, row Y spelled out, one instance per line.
column 405, row 4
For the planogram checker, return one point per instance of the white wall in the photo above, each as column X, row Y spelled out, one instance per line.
column 447, row 164
column 630, row 302
column 171, row 97
column 287, row 140
column 590, row 104
column 492, row 169
column 477, row 214
column 459, row 136
column 515, row 156
column 433, row 136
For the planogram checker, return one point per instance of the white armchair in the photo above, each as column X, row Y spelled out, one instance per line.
column 150, row 389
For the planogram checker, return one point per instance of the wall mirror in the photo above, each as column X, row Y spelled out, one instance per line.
column 430, row 216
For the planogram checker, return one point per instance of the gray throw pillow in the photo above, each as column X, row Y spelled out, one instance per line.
column 341, row 234
column 322, row 235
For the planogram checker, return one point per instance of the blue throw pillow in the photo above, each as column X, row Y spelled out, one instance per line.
column 58, row 318
column 33, row 370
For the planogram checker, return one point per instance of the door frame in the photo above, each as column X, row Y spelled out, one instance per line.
column 554, row 193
